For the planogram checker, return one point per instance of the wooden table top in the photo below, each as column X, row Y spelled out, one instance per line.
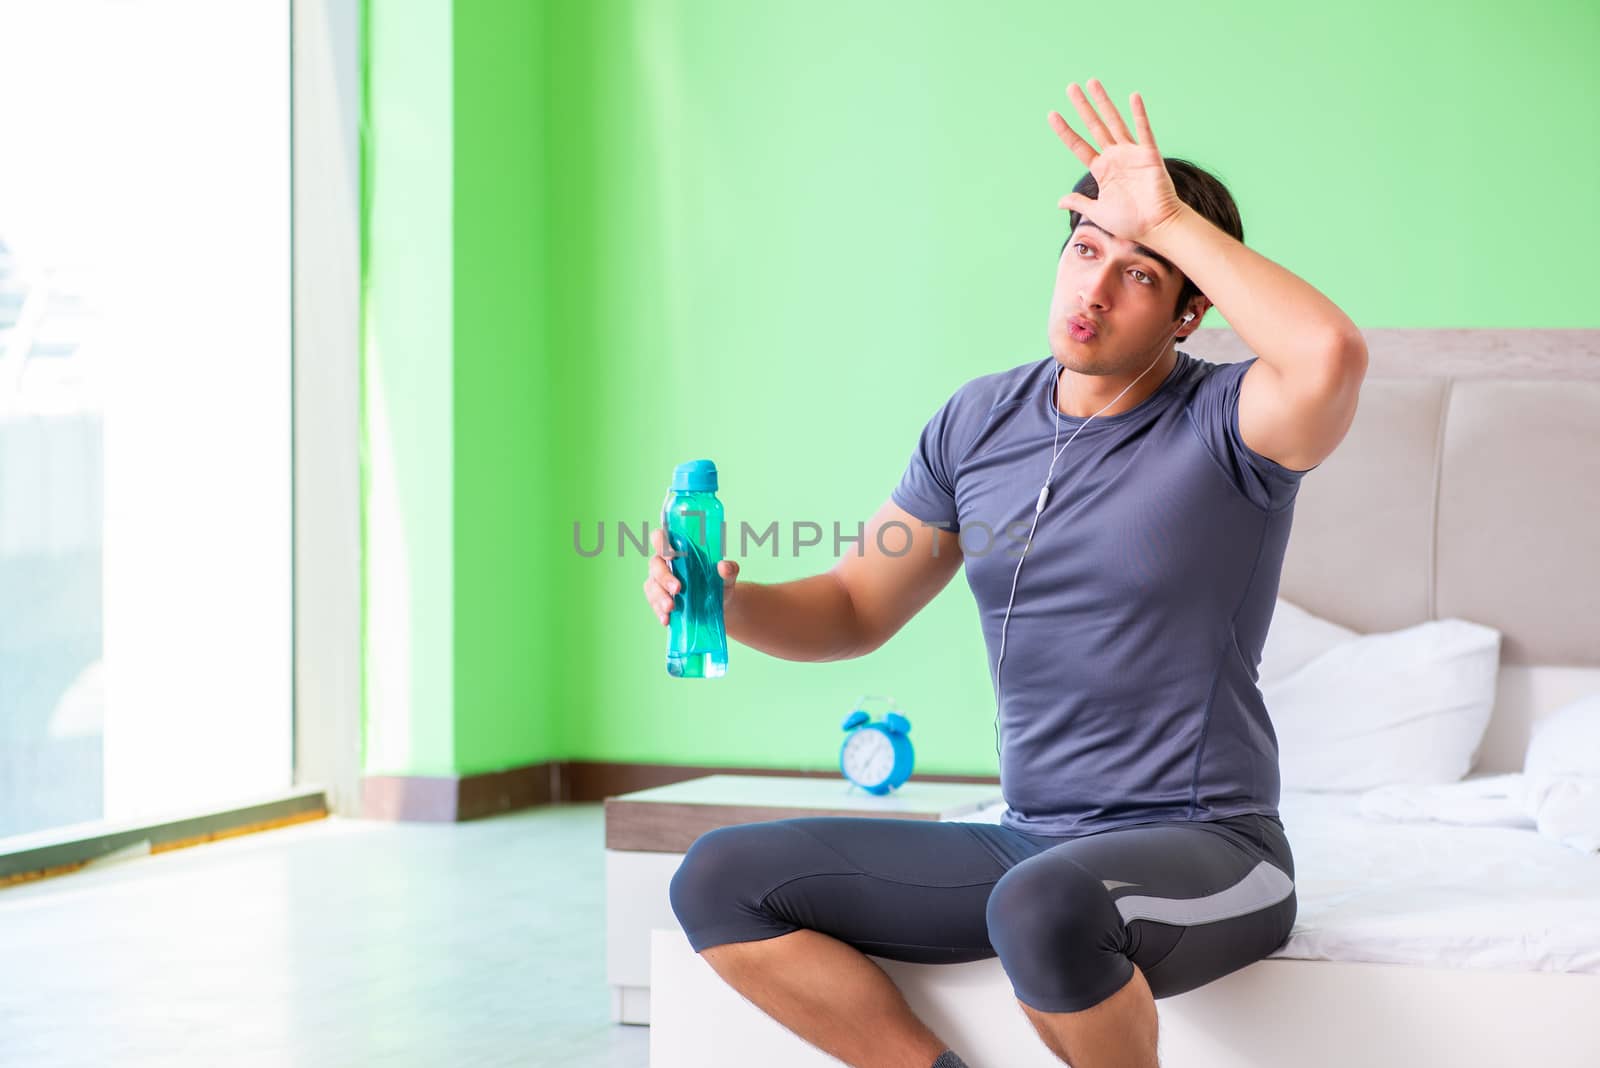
column 668, row 819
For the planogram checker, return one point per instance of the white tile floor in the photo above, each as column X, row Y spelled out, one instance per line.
column 338, row 942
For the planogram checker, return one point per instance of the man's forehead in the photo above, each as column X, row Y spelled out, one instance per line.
column 1140, row 249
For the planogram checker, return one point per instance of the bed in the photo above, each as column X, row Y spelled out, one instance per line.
column 1468, row 487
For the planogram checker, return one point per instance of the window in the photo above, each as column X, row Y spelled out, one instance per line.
column 145, row 410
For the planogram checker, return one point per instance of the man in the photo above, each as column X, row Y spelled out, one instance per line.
column 1147, row 496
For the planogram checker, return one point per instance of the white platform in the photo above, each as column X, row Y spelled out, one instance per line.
column 1272, row 1014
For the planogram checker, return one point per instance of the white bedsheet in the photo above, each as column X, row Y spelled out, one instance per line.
column 1433, row 894
column 1565, row 808
column 1497, row 898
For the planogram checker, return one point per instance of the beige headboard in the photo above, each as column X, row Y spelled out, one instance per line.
column 1467, row 487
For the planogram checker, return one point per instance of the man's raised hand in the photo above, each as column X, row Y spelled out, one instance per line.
column 1136, row 195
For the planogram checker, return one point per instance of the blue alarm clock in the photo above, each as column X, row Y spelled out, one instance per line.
column 876, row 756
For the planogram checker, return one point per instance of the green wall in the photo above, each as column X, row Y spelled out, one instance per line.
column 462, row 429
column 507, row 434
column 780, row 234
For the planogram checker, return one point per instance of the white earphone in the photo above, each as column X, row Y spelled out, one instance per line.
column 1044, row 495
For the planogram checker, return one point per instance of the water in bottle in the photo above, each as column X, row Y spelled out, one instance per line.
column 691, row 517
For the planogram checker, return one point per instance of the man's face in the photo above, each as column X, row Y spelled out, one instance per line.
column 1125, row 291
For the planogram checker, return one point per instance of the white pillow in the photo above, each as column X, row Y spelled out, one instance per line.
column 1567, row 741
column 1369, row 710
column 1294, row 639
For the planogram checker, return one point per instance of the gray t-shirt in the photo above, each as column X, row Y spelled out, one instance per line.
column 1129, row 689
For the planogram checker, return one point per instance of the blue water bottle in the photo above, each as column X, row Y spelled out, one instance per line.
column 691, row 517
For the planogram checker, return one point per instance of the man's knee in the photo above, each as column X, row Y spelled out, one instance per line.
column 717, row 893
column 1058, row 934
column 705, row 877
column 1055, row 905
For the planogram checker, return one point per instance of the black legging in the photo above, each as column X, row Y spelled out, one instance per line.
column 1188, row 902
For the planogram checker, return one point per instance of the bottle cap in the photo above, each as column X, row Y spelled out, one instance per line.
column 694, row 476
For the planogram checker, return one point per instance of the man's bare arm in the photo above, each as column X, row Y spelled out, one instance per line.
column 1297, row 401
column 858, row 604
column 809, row 619
column 850, row 609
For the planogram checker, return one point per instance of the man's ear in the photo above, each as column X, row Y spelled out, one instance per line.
column 1199, row 306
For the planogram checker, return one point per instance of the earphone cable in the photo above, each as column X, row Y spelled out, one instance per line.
column 1038, row 508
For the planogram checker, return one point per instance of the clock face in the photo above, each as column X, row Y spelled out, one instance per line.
column 868, row 757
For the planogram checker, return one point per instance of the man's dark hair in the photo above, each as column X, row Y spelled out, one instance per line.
column 1198, row 188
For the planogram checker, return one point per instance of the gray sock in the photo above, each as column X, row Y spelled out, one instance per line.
column 948, row 1059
